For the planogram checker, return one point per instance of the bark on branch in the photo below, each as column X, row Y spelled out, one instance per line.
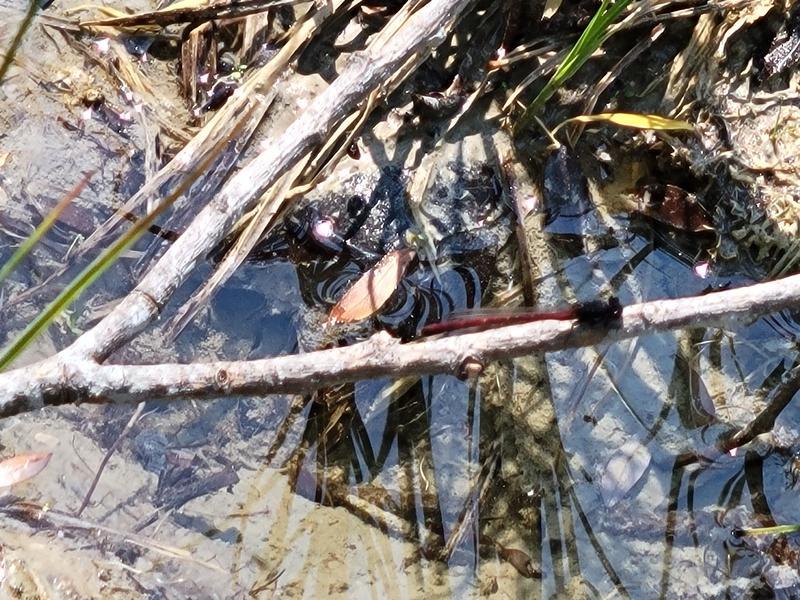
column 62, row 379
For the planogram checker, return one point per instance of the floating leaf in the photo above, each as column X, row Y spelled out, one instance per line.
column 673, row 206
column 367, row 295
column 21, row 467
column 633, row 120
column 623, row 471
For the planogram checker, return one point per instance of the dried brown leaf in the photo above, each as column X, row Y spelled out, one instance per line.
column 367, row 295
column 21, row 467
column 674, row 206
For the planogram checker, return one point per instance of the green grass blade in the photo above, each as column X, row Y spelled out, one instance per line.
column 591, row 39
column 86, row 277
column 26, row 246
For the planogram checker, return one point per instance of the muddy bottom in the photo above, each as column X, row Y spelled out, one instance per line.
column 589, row 473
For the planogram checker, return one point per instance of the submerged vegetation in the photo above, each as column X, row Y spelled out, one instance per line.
column 282, row 203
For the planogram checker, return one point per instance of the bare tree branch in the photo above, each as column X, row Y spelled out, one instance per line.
column 65, row 379
column 75, row 375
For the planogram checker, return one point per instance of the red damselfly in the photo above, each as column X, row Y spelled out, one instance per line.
column 594, row 313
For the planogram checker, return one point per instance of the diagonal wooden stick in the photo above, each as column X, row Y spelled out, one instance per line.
column 421, row 33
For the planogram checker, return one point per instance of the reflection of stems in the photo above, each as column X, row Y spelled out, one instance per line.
column 601, row 555
column 412, row 430
column 754, row 475
column 733, row 490
column 690, row 506
column 556, row 534
column 473, row 501
column 564, row 480
column 669, row 526
column 765, row 420
column 761, row 423
column 685, row 386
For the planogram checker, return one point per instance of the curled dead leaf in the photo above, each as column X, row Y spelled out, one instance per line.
column 21, row 467
column 520, row 560
column 674, row 206
column 367, row 295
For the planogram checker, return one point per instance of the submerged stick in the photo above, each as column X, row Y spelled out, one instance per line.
column 128, row 426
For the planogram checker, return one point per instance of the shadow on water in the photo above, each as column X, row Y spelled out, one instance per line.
column 596, row 472
column 593, row 491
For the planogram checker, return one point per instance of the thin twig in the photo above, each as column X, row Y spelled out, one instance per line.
column 28, row 511
column 131, row 422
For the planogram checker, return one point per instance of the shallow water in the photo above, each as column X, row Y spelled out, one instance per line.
column 553, row 476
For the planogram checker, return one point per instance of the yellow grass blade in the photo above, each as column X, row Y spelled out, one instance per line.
column 632, row 120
